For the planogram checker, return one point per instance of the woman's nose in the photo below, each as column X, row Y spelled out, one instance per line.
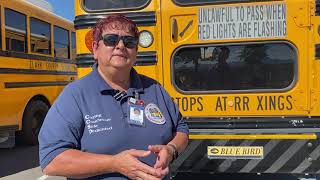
column 120, row 44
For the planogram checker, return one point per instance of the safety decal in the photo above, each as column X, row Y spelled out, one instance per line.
column 154, row 114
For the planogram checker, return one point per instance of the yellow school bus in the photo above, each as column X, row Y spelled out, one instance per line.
column 245, row 74
column 37, row 59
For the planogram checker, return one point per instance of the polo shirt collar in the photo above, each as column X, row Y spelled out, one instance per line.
column 102, row 85
column 135, row 81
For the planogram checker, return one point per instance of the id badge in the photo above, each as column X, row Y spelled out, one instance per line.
column 136, row 115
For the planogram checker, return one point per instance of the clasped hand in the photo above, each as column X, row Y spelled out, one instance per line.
column 127, row 163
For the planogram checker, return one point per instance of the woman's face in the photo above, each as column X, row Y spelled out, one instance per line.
column 117, row 56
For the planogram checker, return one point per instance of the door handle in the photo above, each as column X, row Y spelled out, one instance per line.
column 174, row 30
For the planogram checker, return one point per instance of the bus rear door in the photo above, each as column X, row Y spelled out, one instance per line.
column 240, row 75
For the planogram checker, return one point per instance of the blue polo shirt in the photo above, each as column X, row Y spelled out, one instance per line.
column 87, row 116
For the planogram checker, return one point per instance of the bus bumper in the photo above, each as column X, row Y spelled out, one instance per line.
column 281, row 153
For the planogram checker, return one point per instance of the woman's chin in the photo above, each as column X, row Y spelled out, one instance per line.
column 121, row 65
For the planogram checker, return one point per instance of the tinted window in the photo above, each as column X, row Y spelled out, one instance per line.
column 113, row 4
column 190, row 2
column 61, row 42
column 73, row 49
column 40, row 32
column 234, row 67
column 16, row 36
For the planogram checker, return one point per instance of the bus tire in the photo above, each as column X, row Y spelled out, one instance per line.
column 33, row 117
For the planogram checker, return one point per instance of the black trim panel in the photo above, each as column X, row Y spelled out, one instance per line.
column 254, row 123
column 9, row 128
column 317, row 48
column 146, row 58
column 35, row 57
column 33, row 71
column 84, row 60
column 143, row 59
column 34, row 84
column 317, row 8
column 140, row 18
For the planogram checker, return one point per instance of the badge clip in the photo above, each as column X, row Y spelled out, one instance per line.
column 136, row 95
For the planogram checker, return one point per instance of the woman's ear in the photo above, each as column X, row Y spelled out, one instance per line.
column 94, row 49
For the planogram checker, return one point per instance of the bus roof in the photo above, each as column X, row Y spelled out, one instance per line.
column 42, row 4
column 45, row 5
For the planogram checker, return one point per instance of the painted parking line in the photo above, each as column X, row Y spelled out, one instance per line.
column 32, row 174
column 44, row 177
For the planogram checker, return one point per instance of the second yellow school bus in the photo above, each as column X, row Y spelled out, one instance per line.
column 36, row 52
column 245, row 75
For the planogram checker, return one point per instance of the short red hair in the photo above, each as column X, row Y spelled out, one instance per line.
column 115, row 21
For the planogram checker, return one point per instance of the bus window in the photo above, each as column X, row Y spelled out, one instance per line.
column 235, row 67
column 73, row 46
column 94, row 5
column 61, row 43
column 16, row 35
column 40, row 36
column 203, row 2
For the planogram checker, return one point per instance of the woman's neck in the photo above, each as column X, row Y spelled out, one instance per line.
column 119, row 80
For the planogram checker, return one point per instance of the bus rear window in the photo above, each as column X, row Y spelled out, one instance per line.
column 97, row 5
column 204, row 2
column 235, row 67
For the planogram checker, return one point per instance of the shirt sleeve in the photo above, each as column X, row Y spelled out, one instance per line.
column 62, row 128
column 180, row 124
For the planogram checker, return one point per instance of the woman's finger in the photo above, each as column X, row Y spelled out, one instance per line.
column 155, row 148
column 139, row 153
column 146, row 176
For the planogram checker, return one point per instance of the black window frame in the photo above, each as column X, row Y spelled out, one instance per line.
column 26, row 30
column 73, row 42
column 115, row 9
column 291, row 85
column 50, row 40
column 54, row 41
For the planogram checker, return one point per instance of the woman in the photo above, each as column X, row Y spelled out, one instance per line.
column 91, row 130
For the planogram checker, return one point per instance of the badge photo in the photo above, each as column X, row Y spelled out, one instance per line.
column 136, row 115
column 153, row 114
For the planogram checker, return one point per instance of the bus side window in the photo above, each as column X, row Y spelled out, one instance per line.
column 61, row 43
column 73, row 46
column 16, row 36
column 40, row 32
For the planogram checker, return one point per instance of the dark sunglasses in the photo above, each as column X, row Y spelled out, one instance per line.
column 113, row 39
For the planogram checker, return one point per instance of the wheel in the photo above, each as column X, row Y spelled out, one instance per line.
column 33, row 117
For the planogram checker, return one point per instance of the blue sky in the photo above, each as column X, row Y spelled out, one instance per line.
column 63, row 8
